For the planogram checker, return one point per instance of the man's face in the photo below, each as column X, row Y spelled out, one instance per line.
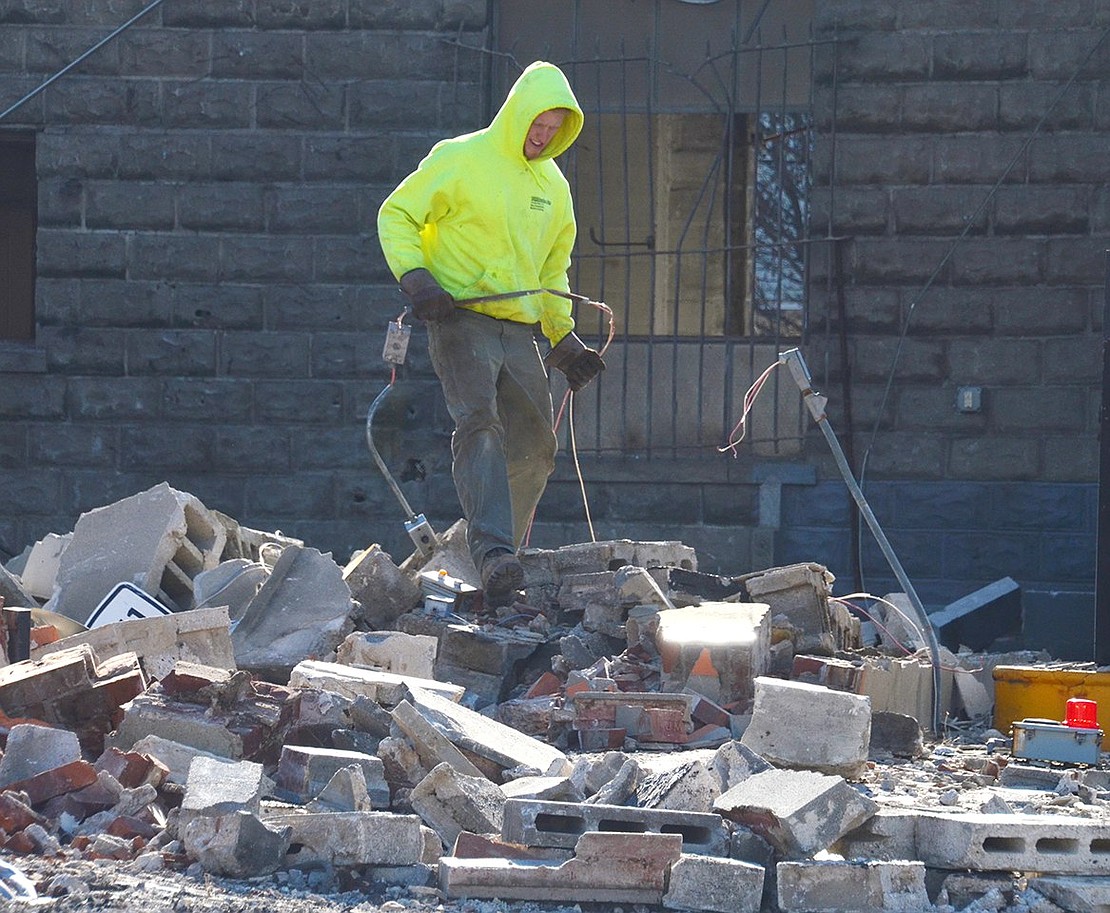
column 542, row 130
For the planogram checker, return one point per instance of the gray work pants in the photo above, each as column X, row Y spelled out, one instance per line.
column 503, row 447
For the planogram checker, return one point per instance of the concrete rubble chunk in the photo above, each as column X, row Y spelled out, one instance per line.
column 557, row 824
column 236, row 844
column 32, row 750
column 905, row 685
column 386, row 688
column 218, row 787
column 351, row 838
column 390, row 651
column 1047, row 844
column 806, row 726
column 486, row 738
column 199, row 636
column 606, row 868
column 800, row 593
column 41, row 567
column 232, row 583
column 734, row 762
column 718, row 885
column 800, row 812
column 14, row 593
column 851, row 887
column 159, row 540
column 896, row 734
column 621, row 787
column 303, row 609
column 304, row 770
column 901, row 629
column 176, row 757
column 1076, row 893
column 553, row 789
column 346, row 791
column 716, row 649
column 383, row 592
column 450, row 803
column 635, row 585
column 688, row 786
column 887, row 835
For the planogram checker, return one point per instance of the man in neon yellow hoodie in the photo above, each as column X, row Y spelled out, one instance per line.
column 483, row 216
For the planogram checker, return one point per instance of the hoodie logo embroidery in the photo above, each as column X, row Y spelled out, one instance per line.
column 539, row 204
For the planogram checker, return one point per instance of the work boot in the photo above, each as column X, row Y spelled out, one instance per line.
column 502, row 576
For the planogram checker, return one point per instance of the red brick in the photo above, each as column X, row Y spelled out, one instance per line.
column 548, row 683
column 67, row 778
column 14, row 815
column 133, row 769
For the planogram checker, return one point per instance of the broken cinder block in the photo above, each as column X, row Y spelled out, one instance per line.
column 451, row 803
column 851, row 887
column 717, row 885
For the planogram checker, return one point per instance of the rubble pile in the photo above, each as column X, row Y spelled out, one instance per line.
column 181, row 693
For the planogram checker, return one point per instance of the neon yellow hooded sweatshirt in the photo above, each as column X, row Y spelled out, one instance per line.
column 484, row 219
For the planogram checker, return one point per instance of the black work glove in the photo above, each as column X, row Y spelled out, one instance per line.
column 576, row 360
column 428, row 299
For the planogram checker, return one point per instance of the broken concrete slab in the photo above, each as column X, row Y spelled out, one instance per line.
column 800, row 812
column 352, row 838
column 450, row 803
column 431, row 745
column 734, row 762
column 385, row 688
column 232, row 583
column 798, row 725
column 199, row 636
column 716, row 649
column 717, row 885
column 606, row 868
column 390, row 651
column 1076, row 893
column 32, row 750
column 488, row 739
column 176, row 757
column 14, row 594
column 688, row 786
column 551, row 789
column 303, row 609
column 346, row 791
column 887, row 835
column 159, row 540
column 558, row 824
column 851, row 887
column 896, row 734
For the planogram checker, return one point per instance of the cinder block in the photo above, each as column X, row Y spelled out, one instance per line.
column 606, row 868
column 390, row 651
column 800, row 812
column 719, row 885
column 385, row 688
column 352, row 838
column 558, row 824
column 1049, row 844
column 887, row 835
column 159, row 539
column 33, row 749
column 851, row 887
column 450, row 803
column 905, row 685
column 688, row 786
column 806, row 726
column 801, row 593
column 303, row 772
column 493, row 652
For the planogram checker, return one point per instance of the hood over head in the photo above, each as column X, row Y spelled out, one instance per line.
column 541, row 87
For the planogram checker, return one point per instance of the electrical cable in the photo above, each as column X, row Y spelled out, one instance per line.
column 749, row 401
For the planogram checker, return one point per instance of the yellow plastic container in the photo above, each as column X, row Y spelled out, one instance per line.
column 1026, row 692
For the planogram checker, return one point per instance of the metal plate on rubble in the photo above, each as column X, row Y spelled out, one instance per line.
column 62, row 623
column 1046, row 740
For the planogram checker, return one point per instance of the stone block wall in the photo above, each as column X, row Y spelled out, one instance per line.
column 966, row 183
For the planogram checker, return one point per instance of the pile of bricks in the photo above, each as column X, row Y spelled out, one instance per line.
column 629, row 731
